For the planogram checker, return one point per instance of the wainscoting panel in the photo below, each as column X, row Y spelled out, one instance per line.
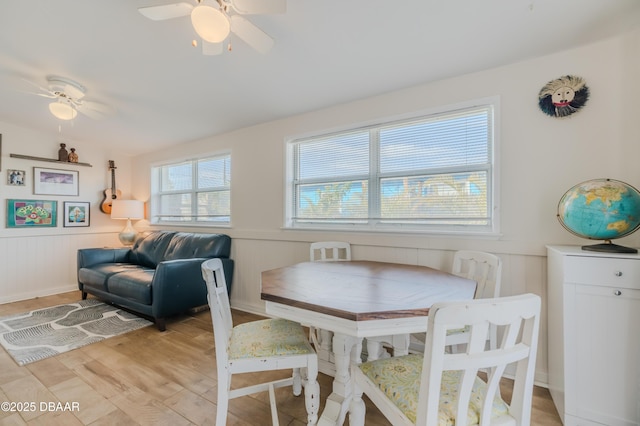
column 254, row 256
column 34, row 266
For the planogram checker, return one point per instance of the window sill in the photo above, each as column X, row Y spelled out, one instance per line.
column 491, row 235
column 192, row 225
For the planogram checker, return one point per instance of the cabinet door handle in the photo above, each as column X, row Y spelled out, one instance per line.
column 618, row 273
column 617, row 293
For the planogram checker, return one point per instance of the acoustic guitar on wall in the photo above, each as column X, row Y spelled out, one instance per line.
column 112, row 193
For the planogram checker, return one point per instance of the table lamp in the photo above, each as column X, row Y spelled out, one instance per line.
column 127, row 209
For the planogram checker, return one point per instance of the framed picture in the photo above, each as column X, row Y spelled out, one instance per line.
column 15, row 177
column 55, row 182
column 32, row 213
column 76, row 214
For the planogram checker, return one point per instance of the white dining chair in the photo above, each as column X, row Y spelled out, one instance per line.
column 326, row 251
column 441, row 388
column 486, row 270
column 264, row 345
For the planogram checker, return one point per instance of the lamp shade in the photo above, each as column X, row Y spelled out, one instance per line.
column 210, row 23
column 63, row 110
column 127, row 209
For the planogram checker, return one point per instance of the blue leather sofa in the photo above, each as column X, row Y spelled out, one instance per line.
column 159, row 276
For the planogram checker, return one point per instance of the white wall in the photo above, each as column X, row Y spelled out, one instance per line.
column 540, row 158
column 42, row 261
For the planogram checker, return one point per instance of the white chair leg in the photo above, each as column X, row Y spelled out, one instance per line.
column 272, row 404
column 224, row 383
column 297, row 382
column 312, row 395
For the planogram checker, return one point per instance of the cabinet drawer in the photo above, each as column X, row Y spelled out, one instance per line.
column 613, row 272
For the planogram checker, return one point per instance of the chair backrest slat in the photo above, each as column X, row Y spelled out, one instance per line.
column 484, row 268
column 330, row 251
column 519, row 316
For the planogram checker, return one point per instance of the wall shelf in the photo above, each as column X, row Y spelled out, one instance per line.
column 49, row 160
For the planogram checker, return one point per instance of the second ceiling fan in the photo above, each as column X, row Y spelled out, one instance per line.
column 213, row 20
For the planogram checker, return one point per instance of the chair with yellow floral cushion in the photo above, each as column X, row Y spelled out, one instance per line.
column 437, row 388
column 265, row 345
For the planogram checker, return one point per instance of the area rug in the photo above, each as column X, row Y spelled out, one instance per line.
column 43, row 333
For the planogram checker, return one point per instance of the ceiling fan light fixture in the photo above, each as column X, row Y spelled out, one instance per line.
column 63, row 110
column 210, row 23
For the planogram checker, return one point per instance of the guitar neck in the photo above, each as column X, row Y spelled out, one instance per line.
column 114, row 191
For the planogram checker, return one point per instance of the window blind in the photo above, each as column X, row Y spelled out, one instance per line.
column 432, row 171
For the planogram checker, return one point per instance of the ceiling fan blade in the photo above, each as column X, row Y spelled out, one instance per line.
column 259, row 7
column 73, row 92
column 166, row 11
column 91, row 114
column 44, row 95
column 45, row 92
column 94, row 110
column 251, row 34
column 211, row 49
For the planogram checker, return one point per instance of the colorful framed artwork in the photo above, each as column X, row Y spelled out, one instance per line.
column 15, row 177
column 32, row 213
column 76, row 214
column 55, row 182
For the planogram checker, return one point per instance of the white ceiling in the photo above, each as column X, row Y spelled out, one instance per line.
column 326, row 52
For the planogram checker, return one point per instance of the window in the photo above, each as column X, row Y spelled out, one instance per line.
column 192, row 192
column 433, row 173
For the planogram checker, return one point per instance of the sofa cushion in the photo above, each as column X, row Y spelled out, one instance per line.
column 134, row 284
column 97, row 275
column 149, row 248
column 186, row 246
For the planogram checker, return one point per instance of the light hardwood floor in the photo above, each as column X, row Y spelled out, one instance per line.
column 147, row 377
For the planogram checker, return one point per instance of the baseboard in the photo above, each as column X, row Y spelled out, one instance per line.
column 251, row 309
column 38, row 293
column 540, row 378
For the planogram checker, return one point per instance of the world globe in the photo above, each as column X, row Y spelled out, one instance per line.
column 601, row 209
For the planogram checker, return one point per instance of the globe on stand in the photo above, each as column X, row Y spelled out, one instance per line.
column 601, row 209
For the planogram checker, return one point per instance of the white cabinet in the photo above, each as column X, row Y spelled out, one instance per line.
column 594, row 336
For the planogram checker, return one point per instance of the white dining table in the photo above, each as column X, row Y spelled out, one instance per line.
column 355, row 300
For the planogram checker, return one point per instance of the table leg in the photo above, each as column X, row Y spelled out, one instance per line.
column 326, row 363
column 346, row 349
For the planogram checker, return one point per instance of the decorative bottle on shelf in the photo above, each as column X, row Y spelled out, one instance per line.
column 73, row 157
column 63, row 155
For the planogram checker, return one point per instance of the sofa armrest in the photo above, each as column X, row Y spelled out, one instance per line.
column 178, row 285
column 94, row 256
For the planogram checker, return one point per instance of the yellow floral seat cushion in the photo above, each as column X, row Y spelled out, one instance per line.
column 270, row 337
column 399, row 379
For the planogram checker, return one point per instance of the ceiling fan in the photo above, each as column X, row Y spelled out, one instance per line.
column 213, row 20
column 69, row 99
